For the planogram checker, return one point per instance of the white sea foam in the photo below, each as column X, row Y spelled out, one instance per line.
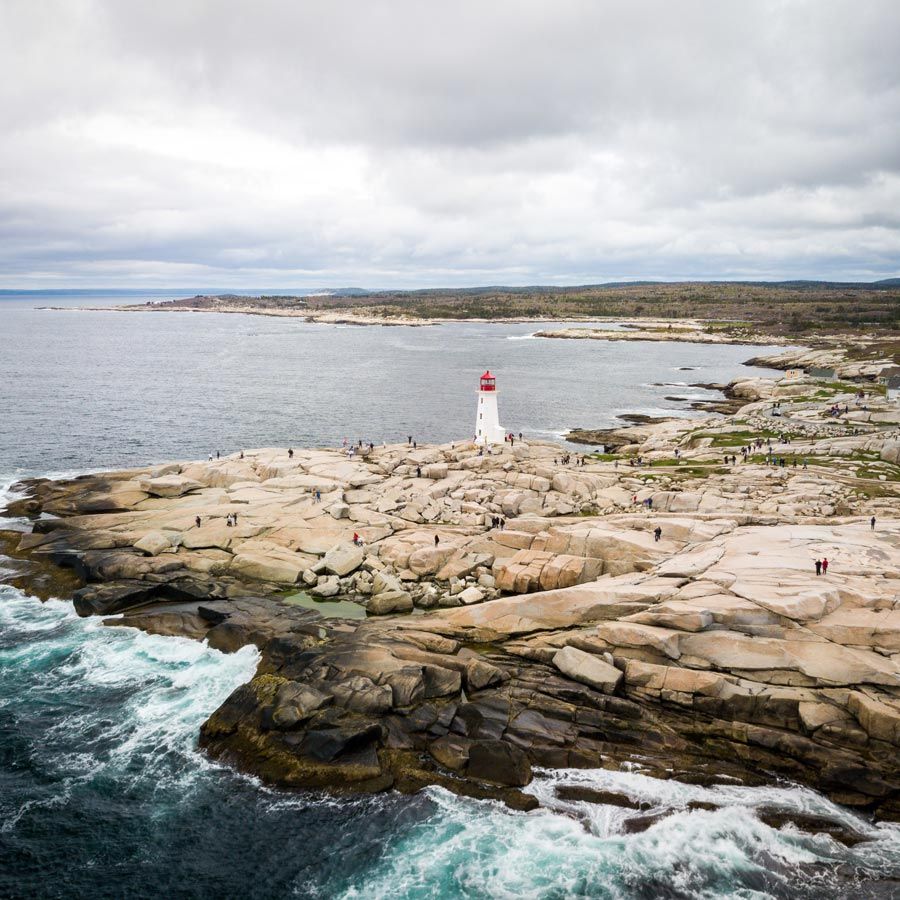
column 578, row 849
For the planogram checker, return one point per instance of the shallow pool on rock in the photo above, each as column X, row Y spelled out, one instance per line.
column 330, row 609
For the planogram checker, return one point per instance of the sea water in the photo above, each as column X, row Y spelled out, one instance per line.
column 103, row 792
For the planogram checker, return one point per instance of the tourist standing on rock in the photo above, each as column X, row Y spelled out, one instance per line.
column 318, row 496
column 872, row 523
column 657, row 533
column 437, row 540
column 409, row 440
column 825, row 565
column 242, row 454
column 197, row 521
column 290, row 452
column 818, row 567
column 217, row 455
column 418, row 471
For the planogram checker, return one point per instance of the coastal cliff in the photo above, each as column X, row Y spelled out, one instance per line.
column 548, row 624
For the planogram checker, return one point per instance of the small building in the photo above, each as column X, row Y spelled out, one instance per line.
column 888, row 373
column 820, row 372
column 793, row 374
column 893, row 389
column 487, row 422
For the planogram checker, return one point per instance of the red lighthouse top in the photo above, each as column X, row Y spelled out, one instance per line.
column 488, row 382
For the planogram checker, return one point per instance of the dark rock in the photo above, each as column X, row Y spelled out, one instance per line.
column 294, row 703
column 587, row 794
column 637, row 824
column 450, row 751
column 362, row 695
column 812, row 824
column 498, row 762
column 330, row 743
column 211, row 615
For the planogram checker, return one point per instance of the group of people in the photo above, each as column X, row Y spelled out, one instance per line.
column 822, row 566
column 498, row 522
column 231, row 520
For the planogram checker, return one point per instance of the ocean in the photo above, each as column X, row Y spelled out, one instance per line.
column 102, row 790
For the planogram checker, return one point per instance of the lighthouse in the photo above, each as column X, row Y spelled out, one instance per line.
column 487, row 423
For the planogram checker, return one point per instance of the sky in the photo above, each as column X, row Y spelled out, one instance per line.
column 291, row 144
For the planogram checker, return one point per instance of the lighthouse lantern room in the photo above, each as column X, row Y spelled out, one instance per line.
column 487, row 424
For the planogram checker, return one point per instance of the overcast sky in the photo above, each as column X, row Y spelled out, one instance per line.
column 284, row 143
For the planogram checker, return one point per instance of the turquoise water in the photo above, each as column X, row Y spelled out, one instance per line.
column 103, row 794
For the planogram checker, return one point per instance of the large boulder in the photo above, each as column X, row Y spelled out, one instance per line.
column 262, row 567
column 344, row 558
column 890, row 452
column 153, row 543
column 499, row 762
column 588, row 669
column 169, row 485
column 390, row 602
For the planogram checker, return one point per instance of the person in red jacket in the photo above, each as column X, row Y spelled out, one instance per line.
column 825, row 566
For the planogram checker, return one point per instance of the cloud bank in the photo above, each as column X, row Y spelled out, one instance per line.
column 291, row 144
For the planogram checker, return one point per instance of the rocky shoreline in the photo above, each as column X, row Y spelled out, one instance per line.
column 519, row 610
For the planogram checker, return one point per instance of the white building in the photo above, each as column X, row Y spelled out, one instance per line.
column 487, row 422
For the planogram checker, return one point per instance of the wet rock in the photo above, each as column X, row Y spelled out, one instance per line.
column 498, row 762
column 585, row 794
column 329, row 743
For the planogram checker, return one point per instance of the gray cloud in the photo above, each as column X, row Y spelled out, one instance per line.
column 201, row 143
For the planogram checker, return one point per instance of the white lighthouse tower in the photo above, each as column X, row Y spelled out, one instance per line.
column 487, row 423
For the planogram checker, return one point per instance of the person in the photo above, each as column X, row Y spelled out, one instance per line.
column 228, row 520
column 520, row 435
column 217, row 455
column 318, row 496
column 290, row 452
column 825, row 565
column 356, row 538
column 242, row 454
column 415, row 444
column 872, row 523
column 234, row 519
column 818, row 567
column 409, row 440
column 418, row 471
column 210, row 457
column 437, row 540
column 197, row 521
column 657, row 533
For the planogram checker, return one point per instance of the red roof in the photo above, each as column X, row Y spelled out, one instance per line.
column 487, row 374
